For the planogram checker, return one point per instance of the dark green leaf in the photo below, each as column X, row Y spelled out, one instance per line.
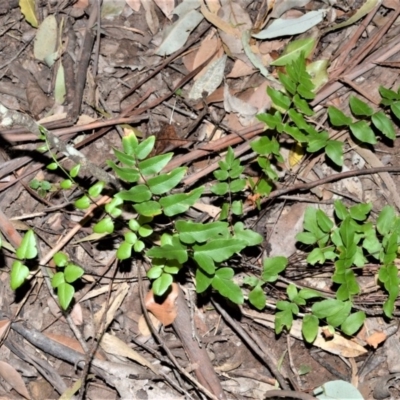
column 386, row 219
column 337, row 118
column 181, row 202
column 273, row 267
column 220, row 188
column 127, row 174
column 363, row 132
column 191, row 232
column 309, row 328
column 223, row 284
column 169, row 252
column 280, row 101
column 148, row 208
column 359, row 108
column 136, row 194
column 220, row 249
column 247, row 235
column 334, row 150
column 353, row 323
column 124, row 158
column 164, row 183
column 203, row 280
column 145, row 148
column 162, row 284
column 257, row 297
column 155, row 164
column 384, row 124
column 302, row 105
column 206, row 263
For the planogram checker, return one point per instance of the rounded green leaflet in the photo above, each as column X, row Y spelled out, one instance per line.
column 124, row 251
column 83, row 203
column 161, row 284
column 60, row 259
column 57, row 279
column 65, row 294
column 27, row 248
column 19, row 273
column 72, row 272
column 106, row 225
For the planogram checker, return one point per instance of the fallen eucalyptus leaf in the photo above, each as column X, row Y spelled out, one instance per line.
column 361, row 12
column 28, row 9
column 210, row 80
column 44, row 48
column 176, row 35
column 286, row 27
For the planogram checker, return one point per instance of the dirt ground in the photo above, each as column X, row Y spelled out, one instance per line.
column 115, row 77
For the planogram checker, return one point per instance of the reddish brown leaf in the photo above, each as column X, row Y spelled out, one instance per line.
column 166, row 311
column 12, row 376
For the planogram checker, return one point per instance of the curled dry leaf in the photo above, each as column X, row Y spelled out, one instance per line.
column 376, row 339
column 166, row 311
column 37, row 100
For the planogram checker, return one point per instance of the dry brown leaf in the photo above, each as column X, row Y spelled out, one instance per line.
column 37, row 100
column 212, row 211
column 166, row 6
column 144, row 328
column 12, row 376
column 240, row 68
column 4, row 329
column 134, row 4
column 218, row 22
column 376, row 339
column 76, row 314
column 112, row 307
column 166, row 311
column 392, row 4
column 338, row 345
column 208, row 47
column 151, row 16
column 113, row 345
column 71, row 343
